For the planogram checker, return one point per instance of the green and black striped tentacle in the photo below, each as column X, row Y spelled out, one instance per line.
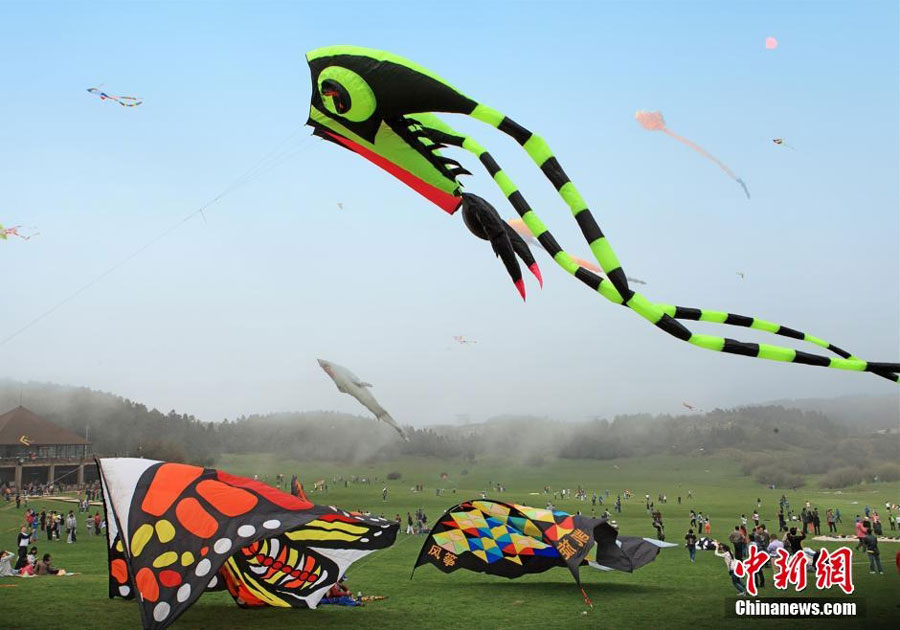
column 732, row 319
column 616, row 289
column 605, row 288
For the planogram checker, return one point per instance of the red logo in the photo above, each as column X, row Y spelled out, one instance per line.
column 834, row 569
column 790, row 570
column 751, row 566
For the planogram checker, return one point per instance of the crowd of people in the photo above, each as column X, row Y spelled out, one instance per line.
column 50, row 526
column 789, row 537
column 417, row 524
column 25, row 562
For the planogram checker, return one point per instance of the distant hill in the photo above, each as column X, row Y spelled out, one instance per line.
column 776, row 443
column 863, row 413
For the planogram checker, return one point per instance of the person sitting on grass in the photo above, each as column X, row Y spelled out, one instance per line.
column 32, row 556
column 45, row 568
column 340, row 595
column 6, row 562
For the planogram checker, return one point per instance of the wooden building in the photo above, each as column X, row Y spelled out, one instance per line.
column 34, row 450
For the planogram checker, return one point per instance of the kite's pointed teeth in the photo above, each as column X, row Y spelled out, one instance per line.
column 520, row 285
column 537, row 273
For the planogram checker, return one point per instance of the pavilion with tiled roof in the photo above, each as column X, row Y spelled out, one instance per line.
column 34, row 449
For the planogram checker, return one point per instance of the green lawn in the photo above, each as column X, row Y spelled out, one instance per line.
column 669, row 593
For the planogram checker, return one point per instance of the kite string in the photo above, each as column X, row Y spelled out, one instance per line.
column 274, row 158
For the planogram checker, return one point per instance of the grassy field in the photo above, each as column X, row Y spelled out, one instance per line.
column 669, row 593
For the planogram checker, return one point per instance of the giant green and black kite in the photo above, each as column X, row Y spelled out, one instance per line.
column 381, row 106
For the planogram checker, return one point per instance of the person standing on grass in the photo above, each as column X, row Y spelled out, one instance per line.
column 71, row 526
column 762, row 538
column 837, row 517
column 774, row 546
column 817, row 524
column 658, row 525
column 871, row 543
column 97, row 520
column 782, row 524
column 759, row 578
column 737, row 541
column 22, row 541
column 693, row 519
column 755, row 519
column 724, row 552
column 707, row 526
column 794, row 540
column 31, row 521
column 876, row 523
column 860, row 534
column 690, row 541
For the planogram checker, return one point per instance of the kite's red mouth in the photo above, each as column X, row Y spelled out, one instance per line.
column 267, row 562
column 445, row 201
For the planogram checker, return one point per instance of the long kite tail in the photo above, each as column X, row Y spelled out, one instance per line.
column 616, row 288
column 732, row 319
column 696, row 147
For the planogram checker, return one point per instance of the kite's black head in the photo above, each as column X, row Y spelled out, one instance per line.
column 484, row 221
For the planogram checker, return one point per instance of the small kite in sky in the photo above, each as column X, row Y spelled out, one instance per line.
column 349, row 383
column 771, row 43
column 689, row 406
column 340, row 206
column 780, row 142
column 654, row 121
column 740, row 273
column 6, row 232
column 462, row 340
column 124, row 101
column 522, row 230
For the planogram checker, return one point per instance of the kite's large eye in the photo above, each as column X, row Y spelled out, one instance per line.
column 346, row 94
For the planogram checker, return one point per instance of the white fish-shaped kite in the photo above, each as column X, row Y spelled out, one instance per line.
column 349, row 383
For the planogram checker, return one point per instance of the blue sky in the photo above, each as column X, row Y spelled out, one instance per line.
column 227, row 316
